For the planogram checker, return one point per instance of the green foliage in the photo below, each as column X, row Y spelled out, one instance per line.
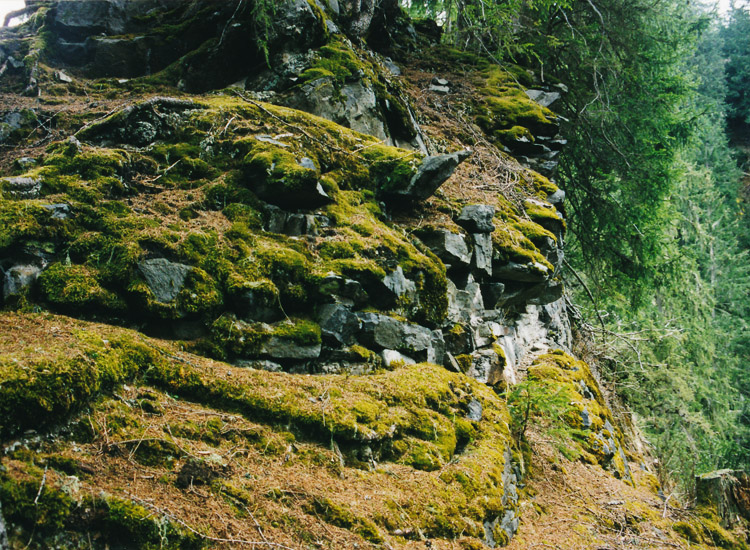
column 736, row 49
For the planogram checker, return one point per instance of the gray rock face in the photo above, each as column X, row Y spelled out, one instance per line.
column 464, row 304
column 397, row 285
column 477, row 218
column 259, row 304
column 492, row 293
column 22, row 188
column 354, row 105
column 430, row 175
column 165, row 279
column 383, row 332
column 482, row 259
column 449, row 247
column 19, row 277
column 344, row 290
column 122, row 57
column 486, row 367
column 436, row 351
column 338, row 324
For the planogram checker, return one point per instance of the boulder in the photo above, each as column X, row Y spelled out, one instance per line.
column 477, row 218
column 383, row 332
column 448, row 246
column 431, row 174
column 19, row 277
column 165, row 279
column 545, row 99
column 442, row 90
column 338, row 324
column 140, row 124
column 556, row 198
column 525, row 273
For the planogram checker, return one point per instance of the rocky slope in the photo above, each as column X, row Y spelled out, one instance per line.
column 264, row 285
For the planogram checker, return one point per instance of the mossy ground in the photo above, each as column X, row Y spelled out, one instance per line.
column 334, row 458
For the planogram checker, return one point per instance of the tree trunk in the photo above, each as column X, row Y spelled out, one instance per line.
column 729, row 491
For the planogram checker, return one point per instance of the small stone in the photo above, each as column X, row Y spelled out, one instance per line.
column 62, row 77
column 586, row 419
column 449, row 247
column 165, row 279
column 545, row 99
column 394, row 69
column 440, row 81
column 475, row 411
column 431, row 174
column 477, row 218
column 482, row 259
column 18, row 278
column 24, row 163
column 58, row 211
column 442, row 90
column 306, row 162
column 392, row 358
column 398, row 285
column 436, row 351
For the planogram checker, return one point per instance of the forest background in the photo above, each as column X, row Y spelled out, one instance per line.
column 655, row 170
